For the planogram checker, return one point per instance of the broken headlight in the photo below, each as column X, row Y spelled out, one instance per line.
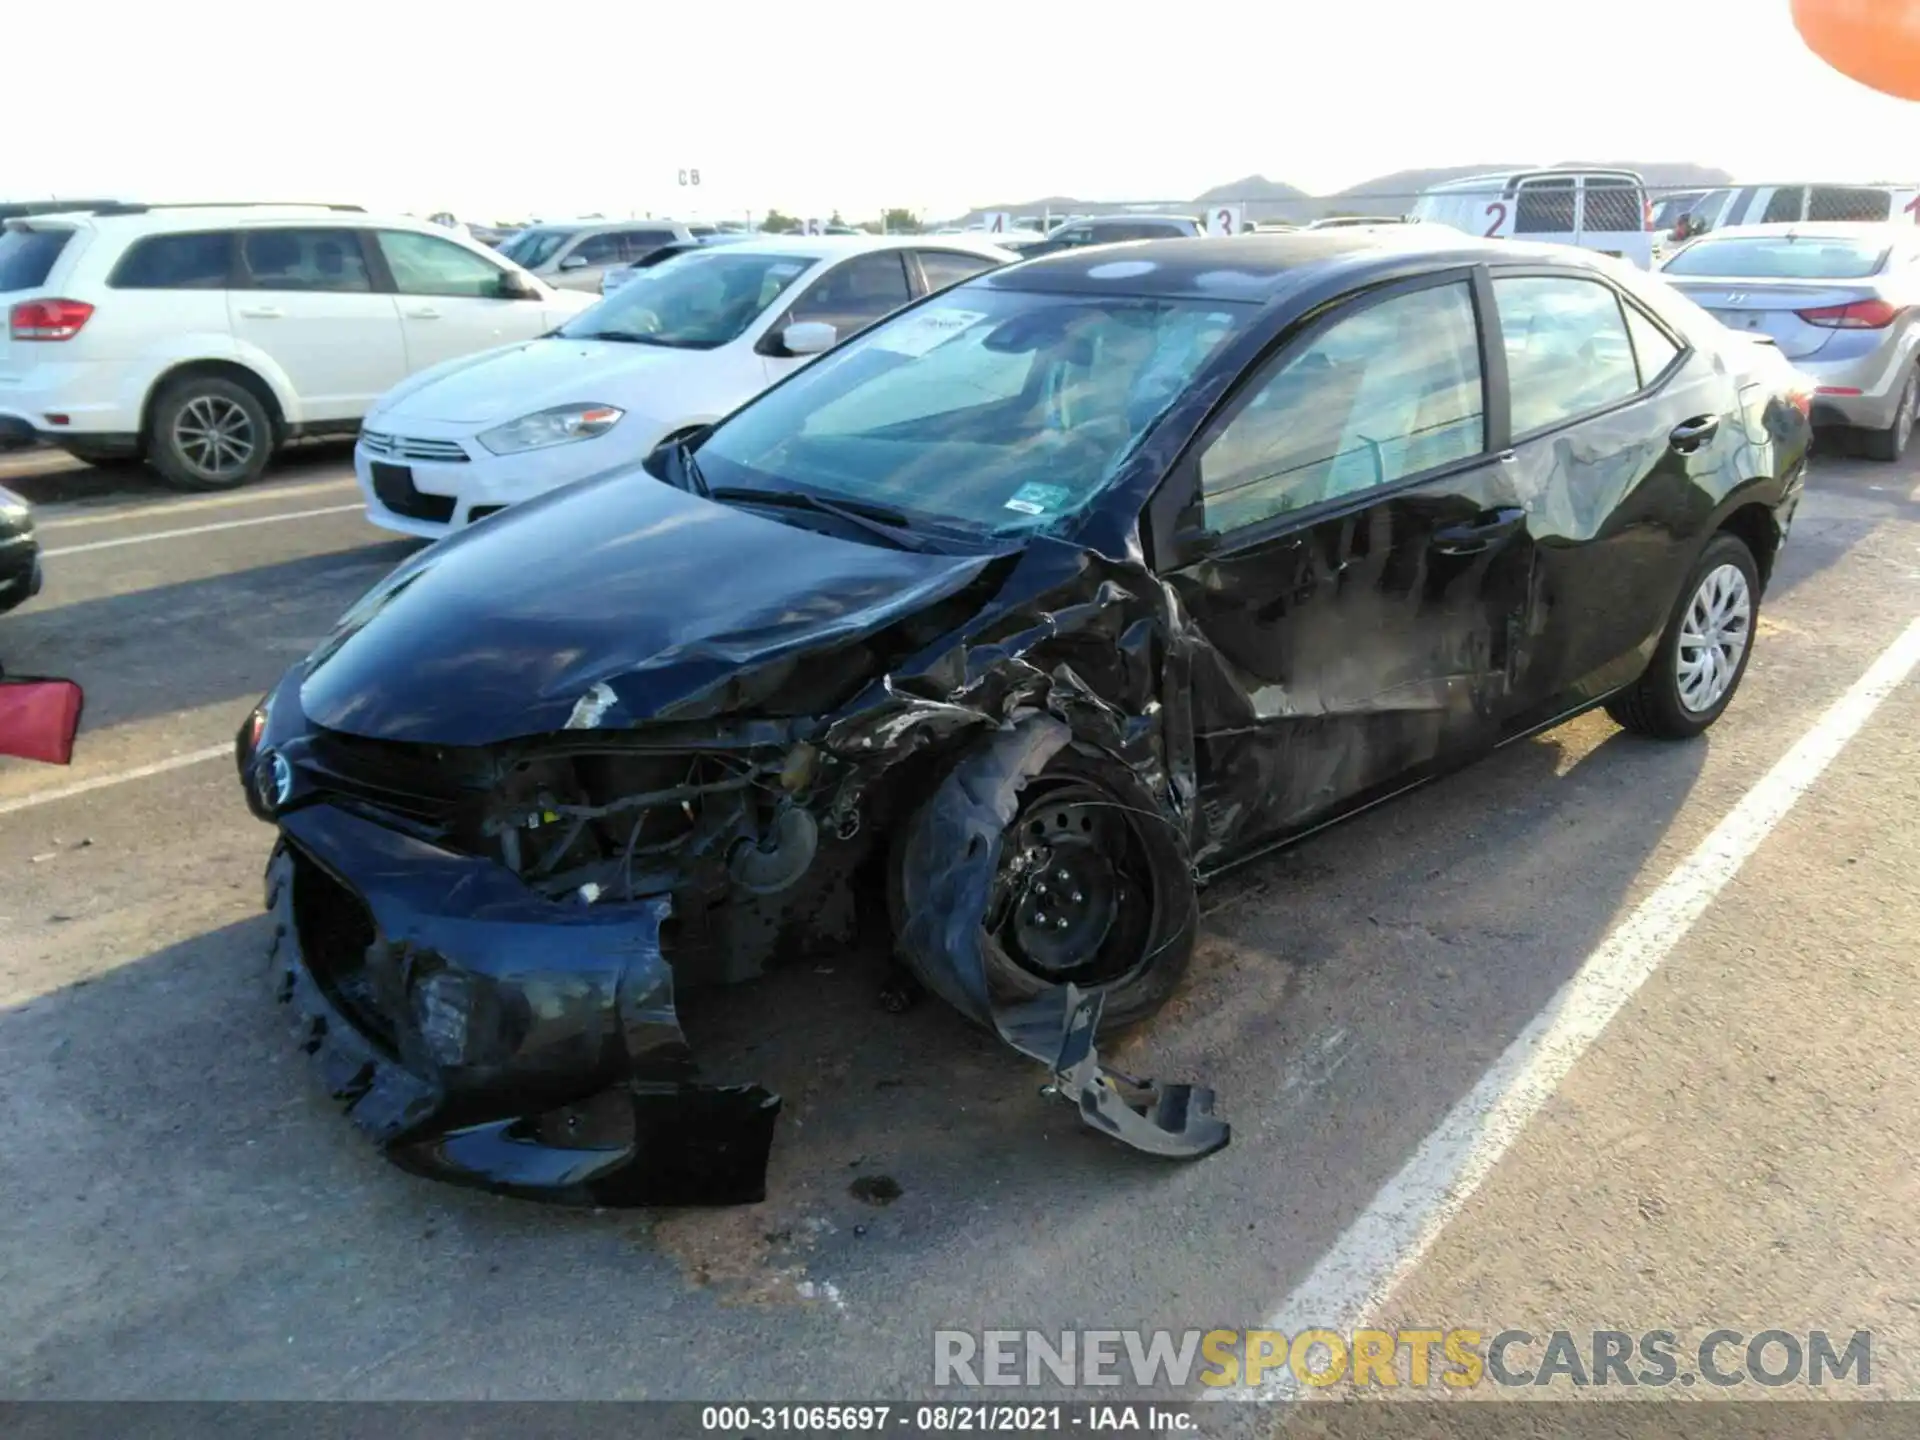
column 465, row 1019
column 562, row 425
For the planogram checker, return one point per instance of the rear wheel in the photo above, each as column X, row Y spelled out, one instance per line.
column 1891, row 443
column 1704, row 653
column 209, row 433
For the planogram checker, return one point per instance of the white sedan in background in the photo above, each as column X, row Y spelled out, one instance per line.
column 680, row 345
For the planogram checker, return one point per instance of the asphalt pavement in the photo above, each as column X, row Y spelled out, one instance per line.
column 1603, row 1033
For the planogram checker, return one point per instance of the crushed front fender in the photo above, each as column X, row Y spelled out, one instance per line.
column 946, row 879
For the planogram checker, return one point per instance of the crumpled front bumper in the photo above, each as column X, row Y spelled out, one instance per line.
column 568, row 1079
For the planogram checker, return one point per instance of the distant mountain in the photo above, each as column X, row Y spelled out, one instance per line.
column 1385, row 194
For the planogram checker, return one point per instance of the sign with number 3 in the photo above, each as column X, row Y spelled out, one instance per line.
column 1226, row 220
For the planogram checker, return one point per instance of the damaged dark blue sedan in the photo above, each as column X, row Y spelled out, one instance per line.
column 1023, row 613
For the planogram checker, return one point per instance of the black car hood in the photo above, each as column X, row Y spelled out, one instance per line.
column 623, row 583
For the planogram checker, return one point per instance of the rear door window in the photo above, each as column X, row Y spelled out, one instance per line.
column 1847, row 203
column 324, row 260
column 1568, row 353
column 1544, row 207
column 599, row 249
column 27, row 256
column 201, row 260
column 638, row 244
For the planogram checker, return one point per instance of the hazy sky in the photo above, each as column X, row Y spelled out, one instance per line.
column 501, row 111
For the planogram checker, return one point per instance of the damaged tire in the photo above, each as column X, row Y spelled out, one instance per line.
column 1035, row 865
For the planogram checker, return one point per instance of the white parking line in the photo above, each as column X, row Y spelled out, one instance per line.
column 101, row 782
column 196, row 530
column 50, row 518
column 1381, row 1248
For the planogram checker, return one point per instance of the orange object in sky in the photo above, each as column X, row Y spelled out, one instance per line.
column 1876, row 42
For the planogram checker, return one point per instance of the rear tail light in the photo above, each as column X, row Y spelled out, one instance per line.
column 1861, row 315
column 1801, row 398
column 48, row 319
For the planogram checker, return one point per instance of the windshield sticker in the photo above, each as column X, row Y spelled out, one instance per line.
column 784, row 272
column 1038, row 499
column 920, row 332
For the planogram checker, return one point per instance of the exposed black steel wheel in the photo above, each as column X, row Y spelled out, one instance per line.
column 1089, row 884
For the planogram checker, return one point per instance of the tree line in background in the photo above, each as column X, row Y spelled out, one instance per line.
column 891, row 222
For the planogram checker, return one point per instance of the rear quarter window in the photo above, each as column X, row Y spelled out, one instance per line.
column 27, row 256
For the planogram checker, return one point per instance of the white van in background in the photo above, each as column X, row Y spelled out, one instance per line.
column 1604, row 210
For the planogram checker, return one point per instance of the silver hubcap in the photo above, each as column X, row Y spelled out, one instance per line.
column 1713, row 637
column 214, row 436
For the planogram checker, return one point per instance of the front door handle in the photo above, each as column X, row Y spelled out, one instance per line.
column 1481, row 533
column 261, row 312
column 425, row 312
column 1689, row 435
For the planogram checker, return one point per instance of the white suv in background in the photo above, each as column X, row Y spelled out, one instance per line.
column 200, row 338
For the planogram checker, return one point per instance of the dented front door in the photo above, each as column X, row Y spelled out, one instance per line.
column 1363, row 571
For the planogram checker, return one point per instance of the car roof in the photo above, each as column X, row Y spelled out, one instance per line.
column 833, row 247
column 1130, row 217
column 1260, row 266
column 1883, row 231
column 1508, row 177
column 164, row 218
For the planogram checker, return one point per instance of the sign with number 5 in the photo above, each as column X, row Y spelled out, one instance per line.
column 1226, row 220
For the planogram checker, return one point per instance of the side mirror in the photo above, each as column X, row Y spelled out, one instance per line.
column 515, row 286
column 808, row 337
column 574, row 262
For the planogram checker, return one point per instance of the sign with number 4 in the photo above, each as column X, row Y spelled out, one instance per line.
column 1227, row 220
column 998, row 222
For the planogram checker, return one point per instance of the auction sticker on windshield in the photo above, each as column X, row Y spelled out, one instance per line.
column 1038, row 499
column 918, row 333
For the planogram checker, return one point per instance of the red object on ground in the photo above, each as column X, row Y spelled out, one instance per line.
column 1876, row 42
column 39, row 718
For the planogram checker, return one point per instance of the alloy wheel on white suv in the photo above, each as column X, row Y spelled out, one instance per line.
column 209, row 433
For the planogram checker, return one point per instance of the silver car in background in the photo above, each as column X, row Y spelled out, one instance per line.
column 575, row 254
column 1841, row 301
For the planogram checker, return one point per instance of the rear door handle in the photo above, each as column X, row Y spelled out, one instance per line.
column 1481, row 533
column 425, row 312
column 262, row 312
column 1689, row 435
